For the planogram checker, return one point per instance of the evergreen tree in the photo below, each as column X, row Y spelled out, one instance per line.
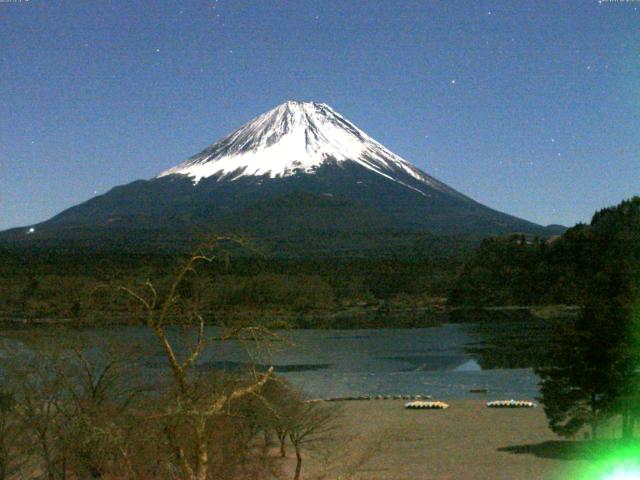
column 594, row 366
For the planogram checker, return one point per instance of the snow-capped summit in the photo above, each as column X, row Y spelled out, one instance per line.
column 298, row 137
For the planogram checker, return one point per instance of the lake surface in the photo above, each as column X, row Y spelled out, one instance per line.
column 441, row 361
column 444, row 361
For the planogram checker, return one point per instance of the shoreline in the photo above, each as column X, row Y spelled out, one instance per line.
column 358, row 318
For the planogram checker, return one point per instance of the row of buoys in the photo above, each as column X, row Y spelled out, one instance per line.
column 424, row 405
column 511, row 404
column 374, row 397
column 423, row 401
column 494, row 404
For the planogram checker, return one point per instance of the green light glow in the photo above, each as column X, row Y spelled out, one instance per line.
column 625, row 472
column 611, row 460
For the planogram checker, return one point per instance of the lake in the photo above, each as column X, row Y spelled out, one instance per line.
column 443, row 361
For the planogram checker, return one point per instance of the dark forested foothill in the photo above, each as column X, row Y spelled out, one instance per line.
column 516, row 270
column 326, row 292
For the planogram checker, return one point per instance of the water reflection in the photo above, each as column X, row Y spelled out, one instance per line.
column 468, row 366
column 508, row 339
column 427, row 363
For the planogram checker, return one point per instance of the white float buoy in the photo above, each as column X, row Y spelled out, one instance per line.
column 510, row 404
column 422, row 405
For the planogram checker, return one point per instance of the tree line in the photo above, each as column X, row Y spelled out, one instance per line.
column 292, row 292
column 517, row 270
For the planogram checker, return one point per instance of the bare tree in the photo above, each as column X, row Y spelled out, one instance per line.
column 11, row 437
column 277, row 401
column 73, row 394
column 29, row 371
column 192, row 408
column 39, row 396
column 309, row 423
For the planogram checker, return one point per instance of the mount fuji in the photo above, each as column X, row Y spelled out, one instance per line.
column 298, row 174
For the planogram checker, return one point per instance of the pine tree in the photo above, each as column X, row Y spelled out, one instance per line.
column 594, row 366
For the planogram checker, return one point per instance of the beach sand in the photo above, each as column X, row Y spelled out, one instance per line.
column 380, row 439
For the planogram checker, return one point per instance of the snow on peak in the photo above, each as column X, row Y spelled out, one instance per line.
column 296, row 137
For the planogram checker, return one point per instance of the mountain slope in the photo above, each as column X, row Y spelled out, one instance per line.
column 299, row 169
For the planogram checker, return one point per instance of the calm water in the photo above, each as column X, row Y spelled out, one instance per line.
column 435, row 361
column 445, row 361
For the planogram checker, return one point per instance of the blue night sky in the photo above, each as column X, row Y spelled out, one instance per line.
column 530, row 107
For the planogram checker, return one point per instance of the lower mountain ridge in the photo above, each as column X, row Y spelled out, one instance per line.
column 337, row 208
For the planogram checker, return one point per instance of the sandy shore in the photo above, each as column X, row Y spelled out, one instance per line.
column 466, row 441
